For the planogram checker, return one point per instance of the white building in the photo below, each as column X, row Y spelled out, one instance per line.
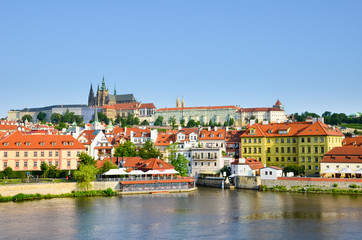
column 246, row 167
column 271, row 172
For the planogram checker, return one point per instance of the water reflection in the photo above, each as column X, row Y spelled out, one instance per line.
column 207, row 213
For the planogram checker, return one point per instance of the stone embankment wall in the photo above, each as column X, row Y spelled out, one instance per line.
column 290, row 182
column 52, row 188
column 215, row 183
column 248, row 182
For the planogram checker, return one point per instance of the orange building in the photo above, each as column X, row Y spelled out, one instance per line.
column 23, row 152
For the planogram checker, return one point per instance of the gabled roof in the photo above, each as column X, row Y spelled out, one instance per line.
column 345, row 154
column 352, row 141
column 234, row 135
column 219, row 134
column 18, row 140
column 165, row 139
column 278, row 103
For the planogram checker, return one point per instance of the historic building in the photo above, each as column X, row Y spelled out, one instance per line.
column 102, row 97
column 297, row 143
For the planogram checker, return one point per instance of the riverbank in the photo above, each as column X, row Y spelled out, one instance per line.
column 312, row 189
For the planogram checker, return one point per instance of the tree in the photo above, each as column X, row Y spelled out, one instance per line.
column 128, row 149
column 85, row 175
column 53, row 171
column 118, row 119
column 191, row 123
column 297, row 170
column 44, row 168
column 107, row 165
column 158, row 121
column 211, row 123
column 8, row 172
column 181, row 164
column 56, row 118
column 27, row 117
column 225, row 124
column 226, row 169
column 182, row 122
column 231, row 122
column 172, row 122
column 41, row 116
column 149, row 151
column 85, row 159
column 145, row 123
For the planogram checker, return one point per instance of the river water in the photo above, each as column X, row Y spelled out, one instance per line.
column 205, row 214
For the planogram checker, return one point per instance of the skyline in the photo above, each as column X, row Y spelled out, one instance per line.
column 307, row 55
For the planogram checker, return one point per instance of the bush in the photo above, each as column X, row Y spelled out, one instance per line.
column 109, row 191
column 335, row 185
column 353, row 185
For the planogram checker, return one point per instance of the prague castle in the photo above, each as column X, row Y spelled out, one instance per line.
column 103, row 97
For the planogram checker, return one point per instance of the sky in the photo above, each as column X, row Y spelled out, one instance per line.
column 306, row 53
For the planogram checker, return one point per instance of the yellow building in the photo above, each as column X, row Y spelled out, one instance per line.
column 24, row 152
column 297, row 143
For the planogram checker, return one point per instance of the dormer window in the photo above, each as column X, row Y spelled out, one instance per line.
column 6, row 144
column 220, row 135
column 27, row 143
column 65, row 143
column 212, row 135
column 18, row 143
column 53, row 143
column 41, row 143
column 71, row 143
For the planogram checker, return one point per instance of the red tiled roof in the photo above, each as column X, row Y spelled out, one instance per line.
column 219, row 134
column 147, row 105
column 164, row 139
column 200, row 108
column 345, row 154
column 19, row 140
column 260, row 109
column 278, row 103
column 352, row 141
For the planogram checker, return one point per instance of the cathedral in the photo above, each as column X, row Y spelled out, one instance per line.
column 102, row 97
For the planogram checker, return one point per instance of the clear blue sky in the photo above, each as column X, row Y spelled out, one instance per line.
column 248, row 53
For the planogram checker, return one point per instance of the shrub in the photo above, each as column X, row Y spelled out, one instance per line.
column 109, row 191
column 335, row 185
column 353, row 185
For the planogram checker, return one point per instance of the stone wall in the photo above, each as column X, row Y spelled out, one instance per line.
column 319, row 182
column 216, row 183
column 248, row 182
column 52, row 188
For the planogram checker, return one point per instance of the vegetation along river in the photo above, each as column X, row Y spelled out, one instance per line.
column 204, row 214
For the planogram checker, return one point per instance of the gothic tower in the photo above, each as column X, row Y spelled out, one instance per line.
column 102, row 94
column 178, row 104
column 91, row 98
column 183, row 103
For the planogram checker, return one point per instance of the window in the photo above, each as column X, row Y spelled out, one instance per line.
column 42, row 154
column 322, row 139
column 276, row 140
column 266, row 172
column 282, row 149
column 294, row 159
column 208, row 164
column 56, row 163
column 57, row 154
column 26, row 164
column 302, row 140
column 316, row 159
column 270, row 173
column 288, row 159
column 17, row 164
column 282, row 140
column 303, row 159
column 254, row 140
column 259, row 140
column 268, row 141
column 288, row 150
column 294, row 150
column 17, row 154
column 276, row 150
column 244, row 140
column 249, row 150
column 309, row 167
column 316, row 167
column 5, row 154
column 254, row 150
column 35, row 154
column 268, row 159
column 308, row 140
column 268, row 150
column 277, row 159
column 293, row 140
column 322, row 149
column 195, row 163
column 249, row 140
column 288, row 140
column 25, row 154
column 50, row 163
column 68, row 163
column 202, row 163
column 215, row 164
column 245, row 150
column 309, row 151
column 315, row 139
column 316, row 149
column 303, row 150
column 5, row 164
column 68, row 154
column 35, row 164
column 282, row 159
column 50, row 154
column 309, row 159
column 259, row 150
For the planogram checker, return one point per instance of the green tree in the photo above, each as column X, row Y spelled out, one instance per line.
column 179, row 161
column 172, row 122
column 107, row 165
column 85, row 159
column 56, row 118
column 53, row 172
column 8, row 172
column 145, row 123
column 191, row 123
column 27, row 117
column 231, row 122
column 41, row 116
column 118, row 119
column 85, row 175
column 182, row 122
column 44, row 169
column 297, row 170
column 211, row 123
column 226, row 169
column 149, row 151
column 128, row 149
column 158, row 121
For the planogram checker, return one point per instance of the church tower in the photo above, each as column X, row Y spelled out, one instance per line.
column 102, row 94
column 178, row 104
column 183, row 103
column 91, row 98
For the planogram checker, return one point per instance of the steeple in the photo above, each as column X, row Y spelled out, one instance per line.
column 183, row 102
column 96, row 124
column 115, row 91
column 103, row 85
column 91, row 99
column 178, row 104
column 95, row 115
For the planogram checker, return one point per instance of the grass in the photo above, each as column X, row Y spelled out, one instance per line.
column 312, row 189
column 24, row 197
column 352, row 125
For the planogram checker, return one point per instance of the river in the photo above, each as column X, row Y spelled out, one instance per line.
column 204, row 214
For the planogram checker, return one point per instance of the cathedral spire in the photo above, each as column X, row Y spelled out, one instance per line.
column 91, row 99
column 178, row 104
column 115, row 91
column 183, row 102
column 103, row 85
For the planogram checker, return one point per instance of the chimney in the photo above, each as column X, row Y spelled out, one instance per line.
column 179, row 128
column 209, row 129
column 321, row 119
column 227, row 129
column 215, row 128
column 252, row 122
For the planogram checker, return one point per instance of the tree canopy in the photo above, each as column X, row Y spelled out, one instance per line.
column 27, row 117
column 297, row 170
column 158, row 121
column 149, row 151
column 128, row 149
column 179, row 161
column 41, row 116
